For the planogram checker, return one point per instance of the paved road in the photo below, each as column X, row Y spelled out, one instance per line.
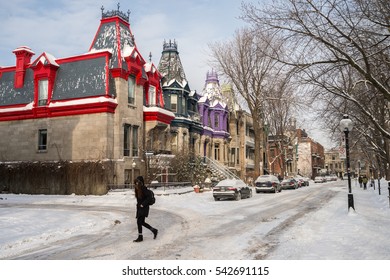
column 246, row 229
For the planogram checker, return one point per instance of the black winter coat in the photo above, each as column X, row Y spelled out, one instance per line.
column 144, row 201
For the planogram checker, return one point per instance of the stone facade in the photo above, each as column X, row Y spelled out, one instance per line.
column 68, row 138
column 99, row 107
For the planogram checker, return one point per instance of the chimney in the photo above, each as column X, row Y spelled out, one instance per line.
column 23, row 58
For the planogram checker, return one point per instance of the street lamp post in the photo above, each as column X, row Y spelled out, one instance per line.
column 346, row 126
column 133, row 165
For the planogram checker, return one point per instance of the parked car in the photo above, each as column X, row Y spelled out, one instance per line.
column 319, row 179
column 300, row 181
column 304, row 180
column 231, row 189
column 268, row 183
column 334, row 177
column 328, row 178
column 289, row 183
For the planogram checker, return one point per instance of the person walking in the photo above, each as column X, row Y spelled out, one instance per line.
column 143, row 197
column 365, row 181
column 360, row 180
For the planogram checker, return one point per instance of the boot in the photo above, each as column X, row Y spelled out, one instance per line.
column 155, row 231
column 139, row 239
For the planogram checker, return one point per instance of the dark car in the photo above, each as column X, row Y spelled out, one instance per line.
column 289, row 183
column 267, row 183
column 231, row 189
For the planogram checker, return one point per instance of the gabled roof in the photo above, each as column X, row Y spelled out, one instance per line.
column 218, row 104
column 176, row 84
column 45, row 59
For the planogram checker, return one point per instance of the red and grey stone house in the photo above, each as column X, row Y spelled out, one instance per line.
column 99, row 106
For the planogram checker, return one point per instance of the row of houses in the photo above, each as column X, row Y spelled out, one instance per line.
column 111, row 105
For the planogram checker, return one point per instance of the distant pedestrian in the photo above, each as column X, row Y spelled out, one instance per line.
column 143, row 197
column 365, row 181
column 360, row 181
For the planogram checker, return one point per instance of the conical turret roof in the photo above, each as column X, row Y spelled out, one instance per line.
column 114, row 35
column 170, row 65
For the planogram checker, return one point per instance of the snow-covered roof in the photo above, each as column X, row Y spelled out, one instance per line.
column 159, row 110
column 183, row 83
column 90, row 100
column 149, row 67
column 216, row 102
column 46, row 58
column 203, row 99
column 128, row 50
column 110, row 50
column 23, row 48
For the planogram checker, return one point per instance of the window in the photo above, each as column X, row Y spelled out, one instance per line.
column 216, row 151
column 43, row 92
column 152, row 96
column 216, row 121
column 174, row 103
column 183, row 105
column 131, row 93
column 42, row 140
column 135, row 141
column 233, row 155
column 130, row 140
column 126, row 140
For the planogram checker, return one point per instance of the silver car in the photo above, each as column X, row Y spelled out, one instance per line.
column 231, row 188
column 268, row 183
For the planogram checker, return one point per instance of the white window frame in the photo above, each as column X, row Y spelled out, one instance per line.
column 152, row 96
column 43, row 92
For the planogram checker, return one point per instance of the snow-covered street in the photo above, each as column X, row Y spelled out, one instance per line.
column 310, row 223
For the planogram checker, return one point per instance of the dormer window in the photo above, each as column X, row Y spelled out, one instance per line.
column 216, row 121
column 183, row 105
column 174, row 103
column 45, row 68
column 152, row 96
column 43, row 92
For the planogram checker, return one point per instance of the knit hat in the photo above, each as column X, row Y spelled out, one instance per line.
column 141, row 179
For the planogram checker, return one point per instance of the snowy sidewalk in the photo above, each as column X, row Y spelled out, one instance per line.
column 333, row 233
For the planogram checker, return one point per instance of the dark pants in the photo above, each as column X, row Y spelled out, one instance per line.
column 141, row 222
column 365, row 186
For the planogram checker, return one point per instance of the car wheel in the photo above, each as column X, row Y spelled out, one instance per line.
column 216, row 198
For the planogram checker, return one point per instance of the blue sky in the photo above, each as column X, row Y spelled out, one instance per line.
column 66, row 28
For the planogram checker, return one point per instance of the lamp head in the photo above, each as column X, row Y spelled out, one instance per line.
column 346, row 124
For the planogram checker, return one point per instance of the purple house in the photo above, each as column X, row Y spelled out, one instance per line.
column 214, row 117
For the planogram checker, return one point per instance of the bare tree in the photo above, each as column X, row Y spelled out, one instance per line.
column 333, row 41
column 255, row 76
